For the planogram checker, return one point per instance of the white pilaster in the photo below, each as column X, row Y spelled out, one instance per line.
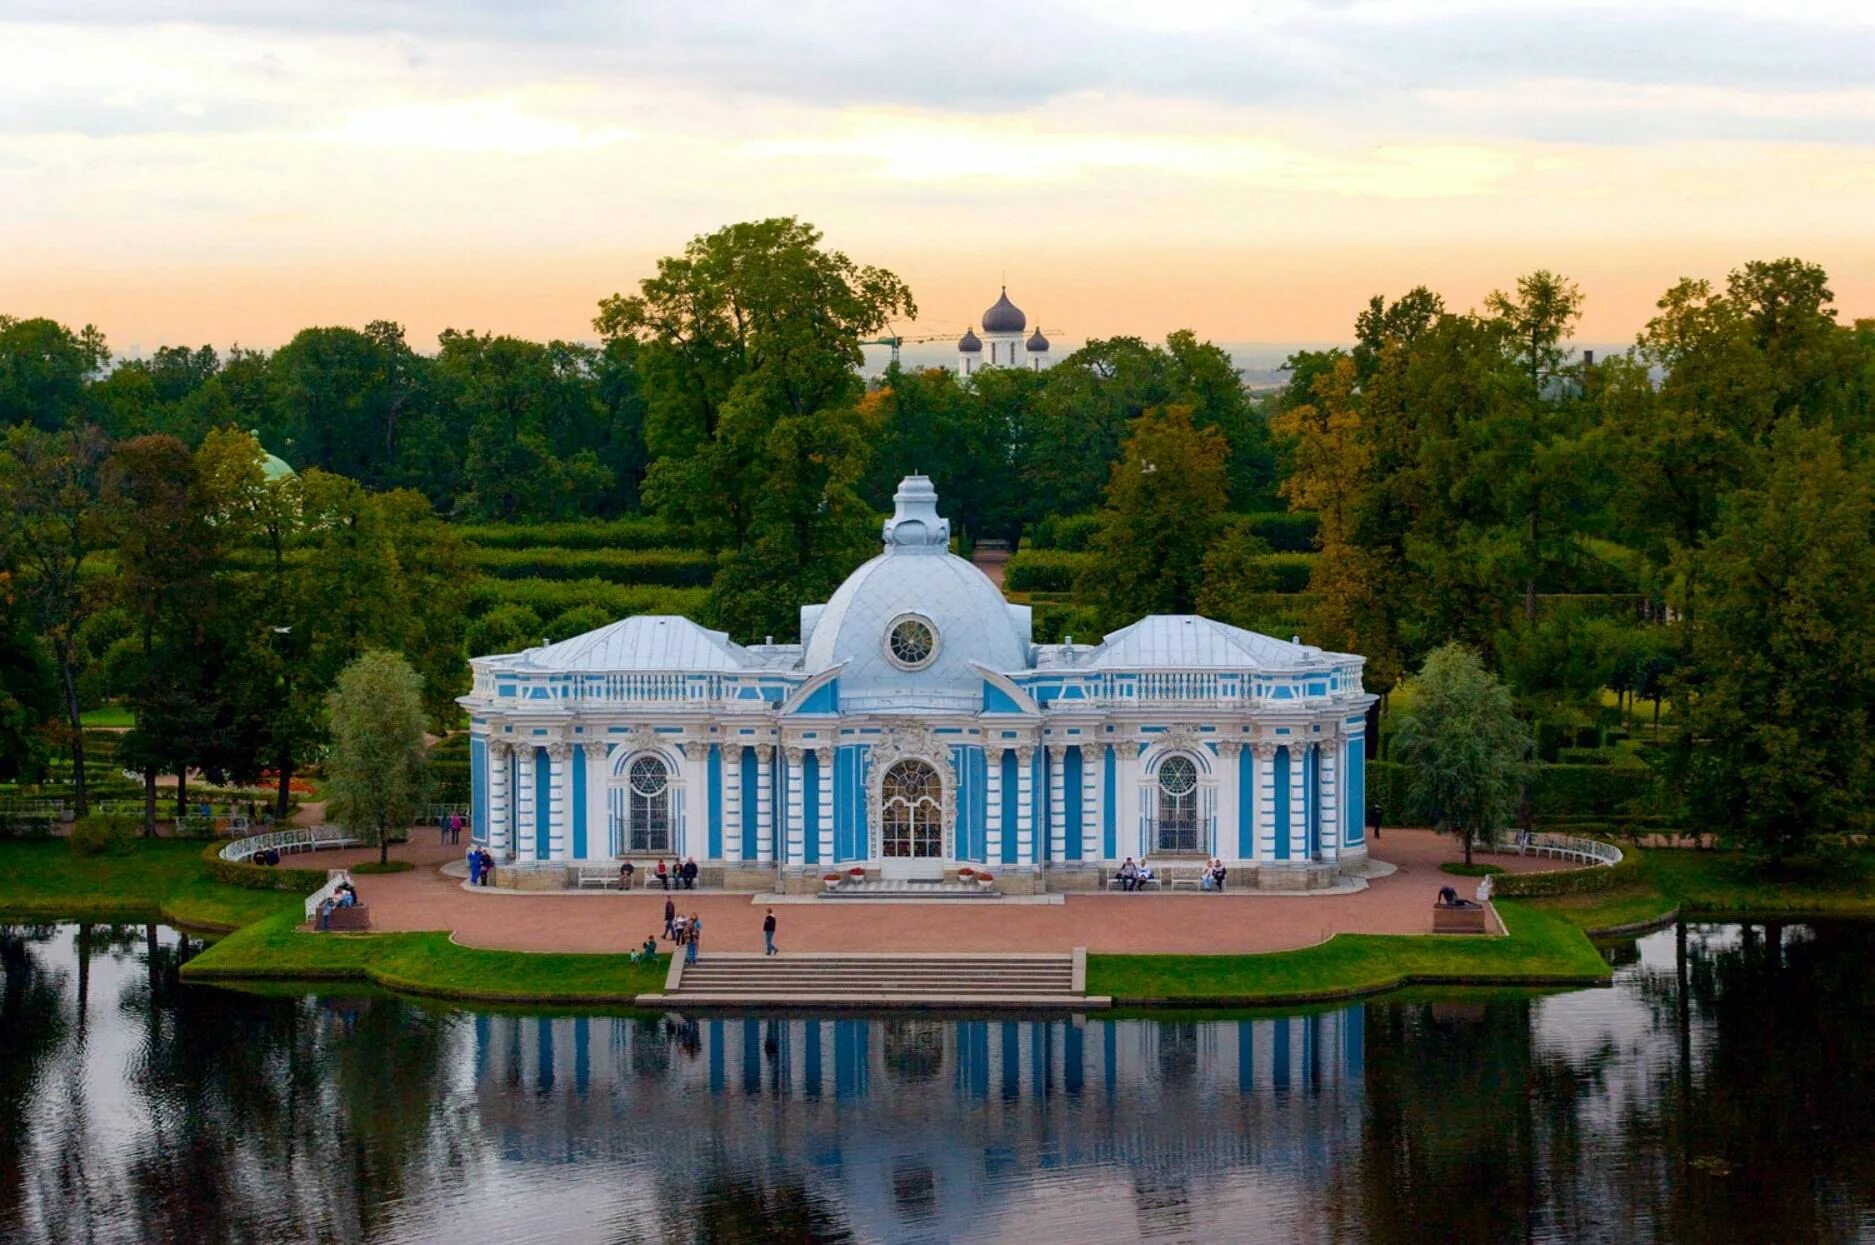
column 1328, row 817
column 559, row 800
column 1229, row 800
column 796, row 822
column 824, row 759
column 1025, row 806
column 1299, row 810
column 525, row 833
column 696, row 798
column 500, row 811
column 732, row 803
column 1091, row 762
column 1263, row 775
column 993, row 793
column 765, row 803
column 1054, row 771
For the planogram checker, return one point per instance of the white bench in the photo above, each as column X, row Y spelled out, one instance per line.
column 601, row 876
column 1188, row 878
column 1119, row 884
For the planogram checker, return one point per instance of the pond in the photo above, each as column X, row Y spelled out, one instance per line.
column 1719, row 1091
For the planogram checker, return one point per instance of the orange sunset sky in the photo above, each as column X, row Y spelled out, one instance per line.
column 188, row 171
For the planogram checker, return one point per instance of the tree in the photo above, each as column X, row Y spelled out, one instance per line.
column 50, row 521
column 1783, row 641
column 44, row 367
column 375, row 777
column 1164, row 497
column 1464, row 746
column 752, row 324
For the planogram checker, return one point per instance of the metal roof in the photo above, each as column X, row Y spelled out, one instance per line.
column 1188, row 641
column 643, row 642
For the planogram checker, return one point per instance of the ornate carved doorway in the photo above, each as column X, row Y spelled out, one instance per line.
column 911, row 821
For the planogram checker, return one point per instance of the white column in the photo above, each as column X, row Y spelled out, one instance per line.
column 1328, row 816
column 1229, row 799
column 1264, row 776
column 1298, row 828
column 1025, row 806
column 1054, row 770
column 732, row 802
column 500, row 812
column 524, row 829
column 796, row 823
column 824, row 756
column 559, row 800
column 765, row 803
column 1091, row 837
column 993, row 793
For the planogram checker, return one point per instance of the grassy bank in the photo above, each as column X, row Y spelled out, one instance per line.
column 427, row 963
column 160, row 880
column 1717, row 885
column 1542, row 950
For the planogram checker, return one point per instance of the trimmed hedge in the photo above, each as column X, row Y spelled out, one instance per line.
column 1056, row 621
column 449, row 780
column 549, row 598
column 1043, row 570
column 261, row 877
column 1283, row 531
column 671, row 568
column 1558, row 793
column 1288, row 572
column 628, row 533
column 1586, row 881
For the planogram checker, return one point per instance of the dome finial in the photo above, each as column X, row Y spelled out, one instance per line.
column 915, row 524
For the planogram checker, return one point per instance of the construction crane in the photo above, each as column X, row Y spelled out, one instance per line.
column 896, row 340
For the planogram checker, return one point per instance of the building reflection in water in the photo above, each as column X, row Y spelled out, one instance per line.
column 929, row 1123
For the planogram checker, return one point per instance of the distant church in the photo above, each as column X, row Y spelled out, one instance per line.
column 1003, row 326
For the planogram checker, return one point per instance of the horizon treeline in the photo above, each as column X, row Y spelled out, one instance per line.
column 1688, row 520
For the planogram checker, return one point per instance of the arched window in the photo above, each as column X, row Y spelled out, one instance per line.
column 648, row 816
column 1178, row 805
column 911, row 811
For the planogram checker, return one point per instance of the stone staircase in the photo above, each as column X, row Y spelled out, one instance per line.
column 864, row 979
column 907, row 888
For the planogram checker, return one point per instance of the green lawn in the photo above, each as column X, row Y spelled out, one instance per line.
column 1610, row 910
column 161, row 879
column 1542, row 949
column 108, row 716
column 426, row 963
column 1728, row 884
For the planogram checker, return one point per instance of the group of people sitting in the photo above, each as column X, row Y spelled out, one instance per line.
column 345, row 895
column 481, row 866
column 685, row 874
column 1137, row 876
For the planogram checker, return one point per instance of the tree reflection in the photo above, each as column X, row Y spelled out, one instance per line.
column 32, row 1029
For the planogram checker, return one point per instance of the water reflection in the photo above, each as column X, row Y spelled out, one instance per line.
column 1719, row 1091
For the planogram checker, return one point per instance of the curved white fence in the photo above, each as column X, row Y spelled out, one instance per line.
column 1560, row 847
column 288, row 841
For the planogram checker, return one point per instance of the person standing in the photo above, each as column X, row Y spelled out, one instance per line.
column 475, row 867
column 670, row 918
column 768, row 932
column 695, row 938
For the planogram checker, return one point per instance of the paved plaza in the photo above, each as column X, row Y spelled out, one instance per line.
column 1234, row 922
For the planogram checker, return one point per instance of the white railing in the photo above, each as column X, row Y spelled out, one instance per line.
column 1560, row 847
column 286, row 842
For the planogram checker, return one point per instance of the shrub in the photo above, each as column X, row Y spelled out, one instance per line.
column 449, row 779
column 1476, row 869
column 261, row 877
column 1043, row 570
column 1071, row 532
column 386, row 866
column 1582, row 756
column 1585, row 881
column 104, row 834
column 1054, row 622
column 551, row 597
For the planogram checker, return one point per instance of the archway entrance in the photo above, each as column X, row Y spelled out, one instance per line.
column 911, row 822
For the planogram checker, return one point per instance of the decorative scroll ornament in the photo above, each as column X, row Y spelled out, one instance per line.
column 1180, row 738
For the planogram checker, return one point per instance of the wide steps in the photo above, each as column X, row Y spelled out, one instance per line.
column 863, row 979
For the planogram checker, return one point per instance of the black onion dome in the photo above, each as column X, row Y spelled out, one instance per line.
column 1037, row 342
column 970, row 343
column 1004, row 317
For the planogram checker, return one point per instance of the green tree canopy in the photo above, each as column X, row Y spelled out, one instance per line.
column 376, row 782
column 1464, row 747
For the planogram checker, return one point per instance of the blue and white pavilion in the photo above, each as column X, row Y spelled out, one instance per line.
column 916, row 728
